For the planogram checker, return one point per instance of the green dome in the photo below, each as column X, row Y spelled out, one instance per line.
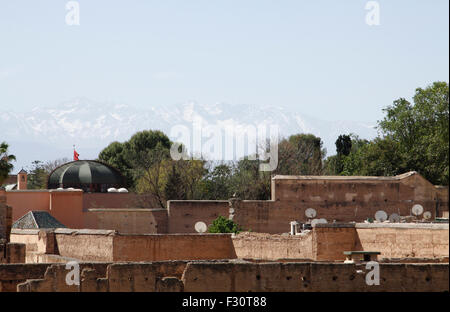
column 89, row 175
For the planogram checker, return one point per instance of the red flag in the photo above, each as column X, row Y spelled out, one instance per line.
column 75, row 155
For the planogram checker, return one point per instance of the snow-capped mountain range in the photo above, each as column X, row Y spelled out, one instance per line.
column 49, row 133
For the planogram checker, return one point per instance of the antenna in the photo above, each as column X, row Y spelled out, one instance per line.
column 417, row 210
column 381, row 216
column 200, row 227
column 394, row 218
column 310, row 213
column 427, row 215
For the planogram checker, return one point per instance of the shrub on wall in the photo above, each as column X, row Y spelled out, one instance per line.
column 224, row 225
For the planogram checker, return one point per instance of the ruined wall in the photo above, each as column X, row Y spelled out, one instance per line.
column 102, row 245
column 442, row 205
column 183, row 214
column 5, row 218
column 39, row 241
column 326, row 242
column 244, row 277
column 402, row 240
column 131, row 221
column 13, row 274
column 273, row 247
column 86, row 245
column 10, row 252
column 330, row 241
column 173, row 247
column 343, row 199
column 352, row 199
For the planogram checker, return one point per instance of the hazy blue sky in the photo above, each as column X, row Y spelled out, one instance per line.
column 315, row 57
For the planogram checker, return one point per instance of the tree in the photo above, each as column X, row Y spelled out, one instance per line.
column 5, row 162
column 300, row 154
column 343, row 145
column 248, row 182
column 224, row 225
column 114, row 155
column 421, row 131
column 37, row 176
column 174, row 188
column 51, row 165
column 151, row 173
column 218, row 183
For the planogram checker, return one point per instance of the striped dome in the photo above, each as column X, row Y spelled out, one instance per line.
column 89, row 175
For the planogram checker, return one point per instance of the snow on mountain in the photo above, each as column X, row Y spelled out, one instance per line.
column 49, row 133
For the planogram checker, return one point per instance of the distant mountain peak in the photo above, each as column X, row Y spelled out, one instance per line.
column 93, row 125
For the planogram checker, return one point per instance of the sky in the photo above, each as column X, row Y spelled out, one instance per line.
column 317, row 57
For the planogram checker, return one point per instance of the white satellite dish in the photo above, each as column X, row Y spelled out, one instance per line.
column 417, row 210
column 310, row 213
column 200, row 227
column 122, row 190
column 381, row 216
column 394, row 218
column 112, row 190
column 323, row 221
column 427, row 215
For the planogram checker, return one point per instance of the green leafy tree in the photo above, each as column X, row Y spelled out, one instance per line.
column 224, row 225
column 5, row 162
column 218, row 183
column 114, row 155
column 421, row 132
column 248, row 182
column 343, row 145
column 174, row 188
column 300, row 154
column 37, row 176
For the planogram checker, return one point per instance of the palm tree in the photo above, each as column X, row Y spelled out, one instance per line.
column 5, row 162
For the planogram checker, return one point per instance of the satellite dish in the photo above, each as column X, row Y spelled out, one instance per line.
column 200, row 227
column 394, row 218
column 427, row 215
column 323, row 221
column 310, row 213
column 417, row 210
column 381, row 216
column 122, row 190
column 112, row 190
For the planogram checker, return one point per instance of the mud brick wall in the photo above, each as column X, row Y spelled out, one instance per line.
column 173, row 247
column 183, row 214
column 245, row 277
column 404, row 241
column 273, row 247
column 129, row 221
column 5, row 218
